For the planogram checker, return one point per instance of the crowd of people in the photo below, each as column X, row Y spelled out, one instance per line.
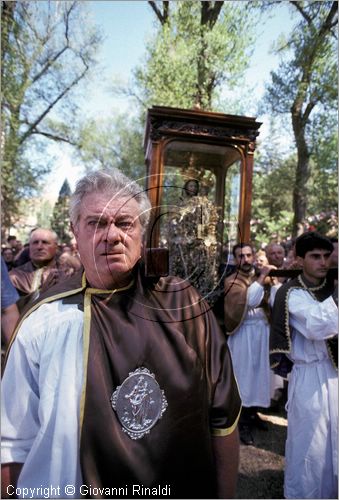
column 284, row 331
column 129, row 381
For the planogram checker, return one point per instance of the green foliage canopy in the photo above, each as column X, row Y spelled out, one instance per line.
column 199, row 47
column 304, row 84
column 45, row 54
column 60, row 222
column 115, row 142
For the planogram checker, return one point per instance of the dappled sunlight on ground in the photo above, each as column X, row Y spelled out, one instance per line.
column 261, row 472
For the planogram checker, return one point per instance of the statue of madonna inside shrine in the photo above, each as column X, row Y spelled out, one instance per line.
column 192, row 239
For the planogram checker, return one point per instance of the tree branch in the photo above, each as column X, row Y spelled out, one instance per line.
column 33, row 126
column 210, row 12
column 162, row 16
column 166, row 10
column 53, row 136
column 51, row 61
column 330, row 21
column 298, row 6
column 48, row 64
column 307, row 112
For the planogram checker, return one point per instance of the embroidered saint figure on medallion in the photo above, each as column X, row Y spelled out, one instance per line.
column 139, row 403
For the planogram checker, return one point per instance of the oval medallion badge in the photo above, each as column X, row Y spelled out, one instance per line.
column 139, row 403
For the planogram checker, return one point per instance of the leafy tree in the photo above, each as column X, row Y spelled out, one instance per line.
column 273, row 178
column 44, row 214
column 113, row 143
column 305, row 84
column 60, row 220
column 323, row 184
column 199, row 47
column 45, row 54
column 272, row 213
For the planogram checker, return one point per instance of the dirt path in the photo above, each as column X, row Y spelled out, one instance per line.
column 261, row 472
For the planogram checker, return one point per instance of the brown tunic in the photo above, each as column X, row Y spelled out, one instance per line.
column 29, row 280
column 235, row 301
column 170, row 331
column 26, row 278
column 167, row 328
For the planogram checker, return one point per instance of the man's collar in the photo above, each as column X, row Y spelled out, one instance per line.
column 51, row 263
column 311, row 286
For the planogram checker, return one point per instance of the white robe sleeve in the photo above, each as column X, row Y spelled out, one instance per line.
column 255, row 294
column 20, row 400
column 274, row 289
column 314, row 320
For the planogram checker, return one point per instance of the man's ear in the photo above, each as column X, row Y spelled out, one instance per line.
column 72, row 228
column 300, row 262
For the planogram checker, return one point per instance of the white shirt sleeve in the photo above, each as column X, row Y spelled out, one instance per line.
column 255, row 294
column 273, row 293
column 20, row 402
column 314, row 320
column 41, row 390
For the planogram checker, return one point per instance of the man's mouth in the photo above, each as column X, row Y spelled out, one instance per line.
column 110, row 254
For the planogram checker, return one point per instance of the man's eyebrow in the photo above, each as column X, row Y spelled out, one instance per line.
column 320, row 252
column 94, row 216
column 103, row 215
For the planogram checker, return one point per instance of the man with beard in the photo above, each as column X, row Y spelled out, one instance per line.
column 246, row 319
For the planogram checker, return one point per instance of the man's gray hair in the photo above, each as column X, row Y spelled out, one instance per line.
column 50, row 231
column 113, row 183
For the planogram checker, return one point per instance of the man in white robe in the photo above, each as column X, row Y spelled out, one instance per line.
column 305, row 332
column 246, row 306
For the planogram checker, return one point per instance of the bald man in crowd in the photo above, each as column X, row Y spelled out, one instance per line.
column 30, row 277
column 275, row 254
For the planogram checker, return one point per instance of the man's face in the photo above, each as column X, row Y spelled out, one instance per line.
column 315, row 264
column 12, row 243
column 275, row 255
column 109, row 239
column 42, row 247
column 244, row 258
column 8, row 255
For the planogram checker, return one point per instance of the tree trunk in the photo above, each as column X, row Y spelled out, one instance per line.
column 7, row 20
column 210, row 12
column 302, row 173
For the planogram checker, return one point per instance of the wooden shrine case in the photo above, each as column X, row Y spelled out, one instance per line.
column 199, row 181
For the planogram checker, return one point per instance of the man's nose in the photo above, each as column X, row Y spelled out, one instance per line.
column 113, row 233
